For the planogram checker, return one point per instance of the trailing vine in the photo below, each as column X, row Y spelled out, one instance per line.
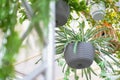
column 12, row 42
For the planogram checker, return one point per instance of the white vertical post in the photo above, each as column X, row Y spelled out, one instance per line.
column 48, row 52
column 51, row 43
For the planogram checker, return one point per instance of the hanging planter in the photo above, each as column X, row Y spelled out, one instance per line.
column 78, row 51
column 97, row 11
column 77, row 46
column 62, row 12
column 83, row 57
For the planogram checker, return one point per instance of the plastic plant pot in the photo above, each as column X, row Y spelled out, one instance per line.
column 83, row 57
column 62, row 12
column 97, row 11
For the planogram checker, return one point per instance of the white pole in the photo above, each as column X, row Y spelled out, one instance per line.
column 38, row 71
column 48, row 54
column 51, row 43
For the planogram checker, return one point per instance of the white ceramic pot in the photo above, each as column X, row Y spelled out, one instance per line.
column 62, row 12
column 97, row 11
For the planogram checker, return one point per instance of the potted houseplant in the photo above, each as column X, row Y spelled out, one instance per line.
column 78, row 48
column 62, row 12
column 97, row 11
column 67, row 36
column 79, row 53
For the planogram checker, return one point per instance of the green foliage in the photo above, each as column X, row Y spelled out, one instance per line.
column 77, row 5
column 12, row 46
column 12, row 42
column 23, row 14
column 8, row 20
column 40, row 13
column 8, row 14
column 41, row 16
column 66, row 35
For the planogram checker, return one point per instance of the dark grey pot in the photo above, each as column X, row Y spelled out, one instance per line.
column 62, row 12
column 83, row 57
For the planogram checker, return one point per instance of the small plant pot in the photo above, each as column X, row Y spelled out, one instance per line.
column 83, row 57
column 62, row 12
column 97, row 11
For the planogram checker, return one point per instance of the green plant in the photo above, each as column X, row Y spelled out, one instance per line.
column 66, row 35
column 11, row 41
column 77, row 5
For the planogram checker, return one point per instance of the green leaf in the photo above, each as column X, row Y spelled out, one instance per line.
column 67, row 73
column 92, row 71
column 109, row 55
column 103, row 74
column 86, row 74
column 63, row 69
column 59, row 49
column 89, row 73
column 61, row 34
column 12, row 47
column 75, row 47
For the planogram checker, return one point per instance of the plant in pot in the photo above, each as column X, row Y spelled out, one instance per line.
column 78, row 46
column 68, row 39
column 79, row 51
column 97, row 10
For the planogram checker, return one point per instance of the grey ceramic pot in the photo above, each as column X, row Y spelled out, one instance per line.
column 62, row 12
column 83, row 58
